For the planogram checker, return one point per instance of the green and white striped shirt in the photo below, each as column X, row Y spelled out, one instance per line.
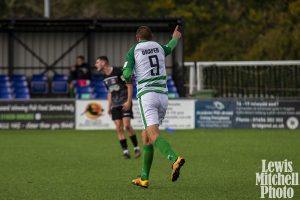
column 147, row 61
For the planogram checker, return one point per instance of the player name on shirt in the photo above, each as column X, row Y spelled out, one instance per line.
column 150, row 51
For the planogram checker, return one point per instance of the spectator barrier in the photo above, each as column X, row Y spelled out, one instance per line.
column 181, row 114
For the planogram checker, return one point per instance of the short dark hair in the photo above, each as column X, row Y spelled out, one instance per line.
column 144, row 32
column 103, row 58
column 80, row 57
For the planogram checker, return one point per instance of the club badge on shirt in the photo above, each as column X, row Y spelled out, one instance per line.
column 112, row 84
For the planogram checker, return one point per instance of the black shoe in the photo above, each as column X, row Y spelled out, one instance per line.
column 126, row 155
column 137, row 153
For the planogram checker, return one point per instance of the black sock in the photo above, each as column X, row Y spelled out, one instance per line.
column 124, row 144
column 134, row 140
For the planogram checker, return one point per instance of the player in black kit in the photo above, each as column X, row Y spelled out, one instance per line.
column 119, row 103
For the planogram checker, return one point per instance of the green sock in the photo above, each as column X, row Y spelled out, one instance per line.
column 165, row 148
column 147, row 161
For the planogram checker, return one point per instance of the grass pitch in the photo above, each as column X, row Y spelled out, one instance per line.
column 221, row 164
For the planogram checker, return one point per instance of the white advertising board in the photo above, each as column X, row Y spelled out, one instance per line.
column 92, row 115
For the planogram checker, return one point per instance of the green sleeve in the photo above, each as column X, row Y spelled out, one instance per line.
column 168, row 48
column 129, row 65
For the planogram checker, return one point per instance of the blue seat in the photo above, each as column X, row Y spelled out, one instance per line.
column 60, row 87
column 4, row 77
column 5, row 90
column 134, row 89
column 4, row 84
column 133, row 82
column 22, row 96
column 134, row 95
column 60, row 84
column 100, row 89
column 18, row 77
column 39, row 77
column 21, row 90
column 98, row 83
column 102, row 95
column 172, row 89
column 39, row 84
column 19, row 84
column 6, row 96
column 86, row 89
column 60, row 77
column 39, row 87
column 170, row 82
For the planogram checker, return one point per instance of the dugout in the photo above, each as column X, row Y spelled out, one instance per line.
column 34, row 46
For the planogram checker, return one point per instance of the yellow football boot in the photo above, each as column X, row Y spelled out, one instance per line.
column 176, row 168
column 140, row 182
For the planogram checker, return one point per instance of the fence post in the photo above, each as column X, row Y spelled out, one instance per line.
column 199, row 76
column 191, row 66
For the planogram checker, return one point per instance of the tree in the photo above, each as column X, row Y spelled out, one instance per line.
column 214, row 30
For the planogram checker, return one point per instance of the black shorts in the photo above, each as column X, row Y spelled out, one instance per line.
column 119, row 113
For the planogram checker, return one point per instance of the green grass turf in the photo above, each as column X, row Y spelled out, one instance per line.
column 221, row 164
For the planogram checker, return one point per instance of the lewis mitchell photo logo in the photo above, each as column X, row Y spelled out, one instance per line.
column 277, row 179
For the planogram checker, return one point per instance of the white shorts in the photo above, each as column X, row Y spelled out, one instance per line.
column 153, row 107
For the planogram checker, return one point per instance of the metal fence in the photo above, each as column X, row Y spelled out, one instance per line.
column 266, row 79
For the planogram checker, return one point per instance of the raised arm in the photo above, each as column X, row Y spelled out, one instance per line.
column 168, row 48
